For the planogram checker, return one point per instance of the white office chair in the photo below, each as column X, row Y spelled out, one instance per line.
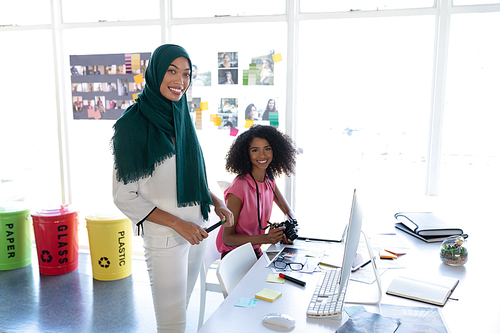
column 211, row 260
column 234, row 266
column 223, row 185
column 208, row 278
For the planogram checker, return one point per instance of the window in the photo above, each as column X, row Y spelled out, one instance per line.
column 75, row 11
column 470, row 137
column 318, row 6
column 90, row 160
column 250, row 41
column 29, row 149
column 473, row 2
column 25, row 12
column 362, row 93
column 222, row 8
column 362, row 112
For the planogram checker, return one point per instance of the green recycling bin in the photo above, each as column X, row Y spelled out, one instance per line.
column 15, row 235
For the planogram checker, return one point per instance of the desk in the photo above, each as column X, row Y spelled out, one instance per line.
column 476, row 311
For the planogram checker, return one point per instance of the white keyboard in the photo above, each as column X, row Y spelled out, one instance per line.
column 327, row 300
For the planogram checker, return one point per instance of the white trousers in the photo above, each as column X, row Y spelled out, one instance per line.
column 173, row 267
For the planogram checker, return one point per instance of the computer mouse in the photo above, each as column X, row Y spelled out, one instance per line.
column 279, row 319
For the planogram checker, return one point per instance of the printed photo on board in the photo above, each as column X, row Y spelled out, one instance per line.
column 228, row 112
column 95, row 80
column 228, row 59
column 77, row 104
column 200, row 78
column 228, row 76
column 261, row 70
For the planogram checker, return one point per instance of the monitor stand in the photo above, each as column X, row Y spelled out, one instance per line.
column 375, row 270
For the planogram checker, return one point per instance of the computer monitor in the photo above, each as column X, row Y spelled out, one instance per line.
column 352, row 236
column 351, row 239
column 327, row 224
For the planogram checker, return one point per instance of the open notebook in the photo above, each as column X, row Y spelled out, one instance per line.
column 435, row 290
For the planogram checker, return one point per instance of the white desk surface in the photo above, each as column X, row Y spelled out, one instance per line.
column 477, row 309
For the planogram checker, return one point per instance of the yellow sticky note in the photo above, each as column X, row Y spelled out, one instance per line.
column 248, row 123
column 218, row 121
column 203, row 106
column 273, row 278
column 138, row 79
column 134, row 96
column 268, row 295
column 277, row 57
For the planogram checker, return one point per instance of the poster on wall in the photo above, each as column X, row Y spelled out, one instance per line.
column 201, row 77
column 260, row 110
column 228, row 67
column 228, row 113
column 104, row 85
column 260, row 70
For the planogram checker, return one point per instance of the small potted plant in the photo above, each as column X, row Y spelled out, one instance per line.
column 453, row 251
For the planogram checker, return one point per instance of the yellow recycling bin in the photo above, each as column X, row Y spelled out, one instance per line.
column 110, row 242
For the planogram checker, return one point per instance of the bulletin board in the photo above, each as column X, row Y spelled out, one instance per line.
column 239, row 109
column 104, row 85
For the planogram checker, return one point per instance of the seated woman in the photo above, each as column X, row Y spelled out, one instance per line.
column 257, row 156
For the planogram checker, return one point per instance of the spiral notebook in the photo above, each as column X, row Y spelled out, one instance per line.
column 436, row 290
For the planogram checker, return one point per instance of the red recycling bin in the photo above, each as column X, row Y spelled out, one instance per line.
column 56, row 236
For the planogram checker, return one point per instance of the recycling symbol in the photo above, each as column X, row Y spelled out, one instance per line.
column 104, row 262
column 46, row 256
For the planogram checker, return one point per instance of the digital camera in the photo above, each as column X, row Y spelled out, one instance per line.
column 290, row 226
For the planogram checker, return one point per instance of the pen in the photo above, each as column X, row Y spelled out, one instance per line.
column 366, row 263
column 216, row 225
column 289, row 278
column 357, row 269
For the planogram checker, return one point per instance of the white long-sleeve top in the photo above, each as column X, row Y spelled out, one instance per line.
column 138, row 199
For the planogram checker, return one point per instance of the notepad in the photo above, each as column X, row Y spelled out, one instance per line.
column 268, row 295
column 273, row 278
column 434, row 291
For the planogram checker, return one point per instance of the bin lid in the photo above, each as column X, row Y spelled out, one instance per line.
column 106, row 217
column 55, row 211
column 13, row 207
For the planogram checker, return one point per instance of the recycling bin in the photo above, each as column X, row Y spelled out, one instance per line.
column 56, row 237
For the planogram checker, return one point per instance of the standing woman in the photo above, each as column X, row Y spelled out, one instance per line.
column 161, row 185
column 257, row 156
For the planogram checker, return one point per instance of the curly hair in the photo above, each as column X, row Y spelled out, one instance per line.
column 284, row 152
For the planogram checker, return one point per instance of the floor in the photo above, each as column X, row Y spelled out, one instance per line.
column 76, row 302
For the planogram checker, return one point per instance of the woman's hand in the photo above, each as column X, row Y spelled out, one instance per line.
column 286, row 240
column 225, row 214
column 192, row 232
column 275, row 235
column 222, row 211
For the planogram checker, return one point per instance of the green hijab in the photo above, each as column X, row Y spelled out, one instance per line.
column 142, row 138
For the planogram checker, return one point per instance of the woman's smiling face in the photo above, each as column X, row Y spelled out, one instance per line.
column 261, row 154
column 176, row 79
